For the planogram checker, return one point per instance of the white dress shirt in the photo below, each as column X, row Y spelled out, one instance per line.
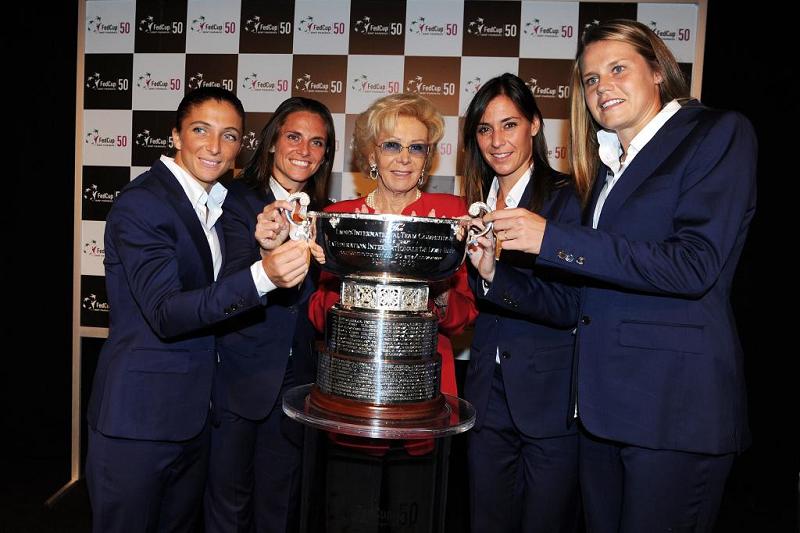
column 610, row 151
column 512, row 200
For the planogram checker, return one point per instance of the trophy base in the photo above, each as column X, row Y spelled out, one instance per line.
column 424, row 410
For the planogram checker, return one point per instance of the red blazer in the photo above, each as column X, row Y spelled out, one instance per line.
column 461, row 310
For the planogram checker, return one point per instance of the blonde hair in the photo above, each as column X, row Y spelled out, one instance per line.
column 381, row 117
column 583, row 128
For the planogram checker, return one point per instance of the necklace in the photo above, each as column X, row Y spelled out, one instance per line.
column 370, row 200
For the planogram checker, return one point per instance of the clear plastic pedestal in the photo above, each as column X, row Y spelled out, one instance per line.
column 373, row 475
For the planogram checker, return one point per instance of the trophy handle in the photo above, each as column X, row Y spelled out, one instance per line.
column 478, row 209
column 299, row 224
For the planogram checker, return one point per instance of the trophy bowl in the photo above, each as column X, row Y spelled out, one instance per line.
column 380, row 245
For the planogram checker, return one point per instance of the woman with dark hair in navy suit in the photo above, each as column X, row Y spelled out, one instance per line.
column 149, row 409
column 254, row 475
column 523, row 452
column 669, row 186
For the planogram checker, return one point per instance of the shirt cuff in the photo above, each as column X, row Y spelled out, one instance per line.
column 261, row 280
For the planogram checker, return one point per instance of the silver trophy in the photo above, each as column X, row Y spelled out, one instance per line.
column 379, row 359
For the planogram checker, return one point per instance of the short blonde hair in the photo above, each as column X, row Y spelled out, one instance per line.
column 381, row 117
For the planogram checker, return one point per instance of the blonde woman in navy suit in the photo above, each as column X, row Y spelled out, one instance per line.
column 523, row 451
column 670, row 187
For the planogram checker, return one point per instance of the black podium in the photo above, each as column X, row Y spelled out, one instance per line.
column 367, row 475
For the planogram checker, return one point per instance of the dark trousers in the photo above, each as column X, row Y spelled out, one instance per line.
column 518, row 482
column 627, row 489
column 145, row 486
column 254, row 473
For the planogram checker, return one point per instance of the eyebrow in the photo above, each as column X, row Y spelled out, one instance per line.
column 502, row 120
column 318, row 137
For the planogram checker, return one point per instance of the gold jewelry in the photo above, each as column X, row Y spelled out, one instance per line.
column 370, row 199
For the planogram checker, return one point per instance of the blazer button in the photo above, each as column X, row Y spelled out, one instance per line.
column 505, row 355
column 234, row 308
column 586, row 320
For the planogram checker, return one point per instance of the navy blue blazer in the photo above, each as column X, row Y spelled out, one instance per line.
column 528, row 315
column 154, row 375
column 254, row 346
column 659, row 364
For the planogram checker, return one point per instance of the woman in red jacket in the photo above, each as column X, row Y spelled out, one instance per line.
column 394, row 140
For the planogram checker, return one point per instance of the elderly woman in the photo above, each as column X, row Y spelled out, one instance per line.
column 395, row 140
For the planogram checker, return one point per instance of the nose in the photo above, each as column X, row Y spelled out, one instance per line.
column 213, row 145
column 498, row 139
column 405, row 155
column 603, row 85
column 304, row 148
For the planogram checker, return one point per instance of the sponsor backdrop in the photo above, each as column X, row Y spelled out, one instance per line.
column 141, row 57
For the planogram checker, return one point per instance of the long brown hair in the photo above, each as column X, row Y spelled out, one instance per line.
column 583, row 128
column 258, row 170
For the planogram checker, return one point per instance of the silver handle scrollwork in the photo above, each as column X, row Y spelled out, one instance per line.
column 476, row 210
column 299, row 223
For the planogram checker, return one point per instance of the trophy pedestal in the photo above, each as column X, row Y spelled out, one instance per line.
column 362, row 473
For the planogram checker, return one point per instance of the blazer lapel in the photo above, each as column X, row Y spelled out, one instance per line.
column 177, row 197
column 661, row 146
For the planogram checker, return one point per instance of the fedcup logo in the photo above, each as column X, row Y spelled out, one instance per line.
column 149, row 25
column 148, row 83
column 473, row 86
column 93, row 249
column 419, row 86
column 363, row 85
column 96, row 25
column 250, row 141
column 306, row 84
column 92, row 303
column 146, row 139
column 252, row 83
column 255, row 26
column 201, row 25
column 197, row 80
column 366, row 26
column 97, row 83
column 479, row 28
column 683, row 34
column 535, row 28
column 420, row 26
column 92, row 193
column 309, row 25
column 95, row 138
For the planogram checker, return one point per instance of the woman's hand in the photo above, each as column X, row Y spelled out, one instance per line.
column 481, row 254
column 518, row 229
column 272, row 228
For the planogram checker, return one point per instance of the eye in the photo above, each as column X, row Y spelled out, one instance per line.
column 293, row 138
column 232, row 137
column 591, row 80
column 199, row 130
column 418, row 149
column 392, row 147
column 484, row 130
column 617, row 69
column 509, row 125
column 318, row 143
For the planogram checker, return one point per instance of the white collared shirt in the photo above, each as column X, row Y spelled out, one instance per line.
column 512, row 200
column 207, row 206
column 610, row 151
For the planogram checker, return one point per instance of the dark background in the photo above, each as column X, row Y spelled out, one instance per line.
column 748, row 67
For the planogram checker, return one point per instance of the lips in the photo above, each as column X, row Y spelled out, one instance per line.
column 300, row 163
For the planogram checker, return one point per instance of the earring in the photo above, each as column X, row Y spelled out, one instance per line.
column 373, row 171
column 421, row 180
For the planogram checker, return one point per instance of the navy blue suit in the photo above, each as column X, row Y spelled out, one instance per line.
column 658, row 361
column 255, row 452
column 152, row 387
column 523, row 450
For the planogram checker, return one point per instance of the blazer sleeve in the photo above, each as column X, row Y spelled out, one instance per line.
column 715, row 204
column 238, row 224
column 543, row 295
column 145, row 230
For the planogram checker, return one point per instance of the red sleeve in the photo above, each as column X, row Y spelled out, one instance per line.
column 461, row 310
column 324, row 297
